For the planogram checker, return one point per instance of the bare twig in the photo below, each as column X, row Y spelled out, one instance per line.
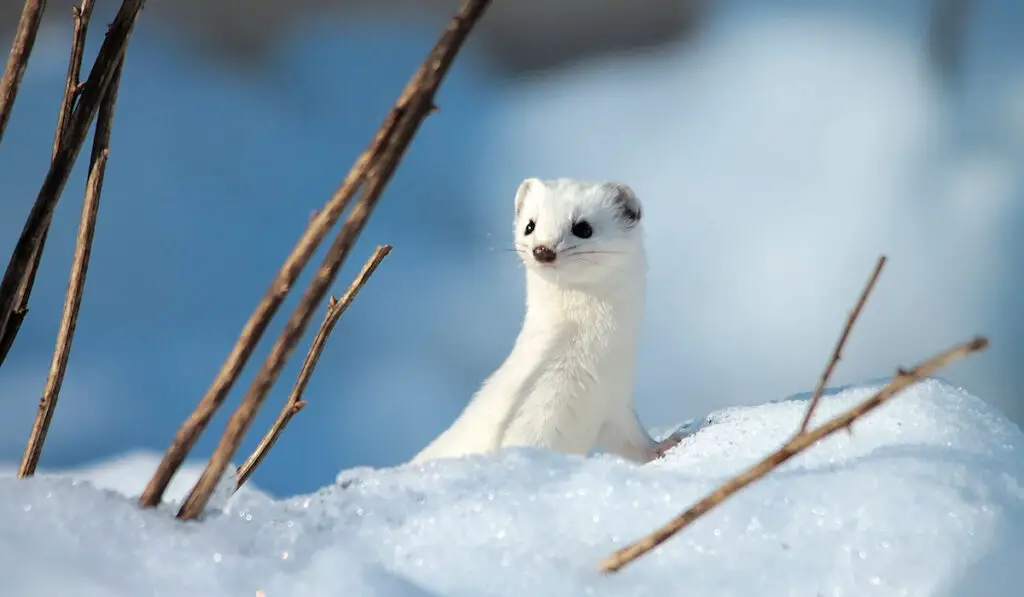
column 17, row 62
column 837, row 353
column 799, row 443
column 295, row 403
column 413, row 108
column 389, row 143
column 81, row 15
column 102, row 73
column 81, row 18
column 76, row 282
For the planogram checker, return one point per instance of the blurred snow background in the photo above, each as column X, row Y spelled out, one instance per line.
column 778, row 153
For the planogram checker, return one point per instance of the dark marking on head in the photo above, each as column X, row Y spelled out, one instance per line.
column 626, row 203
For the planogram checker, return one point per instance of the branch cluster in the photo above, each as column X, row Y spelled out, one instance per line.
column 369, row 177
column 80, row 105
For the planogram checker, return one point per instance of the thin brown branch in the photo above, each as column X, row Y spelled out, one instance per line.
column 81, row 15
column 17, row 62
column 76, row 281
column 837, row 353
column 799, row 443
column 412, row 109
column 335, row 309
column 100, row 76
column 81, row 18
column 378, row 174
column 392, row 138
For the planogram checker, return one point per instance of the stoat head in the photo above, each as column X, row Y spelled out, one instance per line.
column 578, row 233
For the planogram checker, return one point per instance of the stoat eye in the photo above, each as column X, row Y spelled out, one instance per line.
column 529, row 228
column 582, row 229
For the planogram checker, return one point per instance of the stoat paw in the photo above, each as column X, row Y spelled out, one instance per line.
column 659, row 449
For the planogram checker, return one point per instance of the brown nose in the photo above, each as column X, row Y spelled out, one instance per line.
column 543, row 254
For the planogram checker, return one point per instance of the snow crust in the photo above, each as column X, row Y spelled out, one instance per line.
column 926, row 497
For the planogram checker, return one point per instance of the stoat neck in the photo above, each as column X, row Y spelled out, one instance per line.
column 615, row 308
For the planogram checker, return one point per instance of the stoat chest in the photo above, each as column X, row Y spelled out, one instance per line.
column 579, row 352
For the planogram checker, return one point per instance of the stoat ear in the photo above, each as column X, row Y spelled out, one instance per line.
column 626, row 203
column 524, row 189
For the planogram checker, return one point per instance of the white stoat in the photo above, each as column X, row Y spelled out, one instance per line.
column 568, row 383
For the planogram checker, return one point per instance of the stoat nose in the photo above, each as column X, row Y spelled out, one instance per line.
column 543, row 254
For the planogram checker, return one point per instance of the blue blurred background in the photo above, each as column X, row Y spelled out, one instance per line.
column 779, row 148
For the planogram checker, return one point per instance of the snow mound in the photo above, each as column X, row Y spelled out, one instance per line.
column 926, row 497
column 128, row 474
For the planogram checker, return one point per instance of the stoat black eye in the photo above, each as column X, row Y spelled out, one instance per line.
column 529, row 228
column 582, row 229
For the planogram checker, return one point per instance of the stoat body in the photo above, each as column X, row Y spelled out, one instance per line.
column 568, row 383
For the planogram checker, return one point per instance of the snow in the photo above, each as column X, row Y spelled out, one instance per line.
column 925, row 497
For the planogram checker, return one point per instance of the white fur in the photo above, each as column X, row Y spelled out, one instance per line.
column 568, row 383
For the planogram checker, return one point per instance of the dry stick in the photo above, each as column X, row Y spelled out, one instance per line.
column 100, row 76
column 71, row 88
column 295, row 403
column 412, row 111
column 282, row 349
column 81, row 15
column 393, row 136
column 837, row 353
column 17, row 62
column 76, row 281
column 252, row 332
column 240, row 421
column 799, row 443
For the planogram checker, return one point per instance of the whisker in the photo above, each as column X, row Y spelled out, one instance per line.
column 593, row 252
column 579, row 257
